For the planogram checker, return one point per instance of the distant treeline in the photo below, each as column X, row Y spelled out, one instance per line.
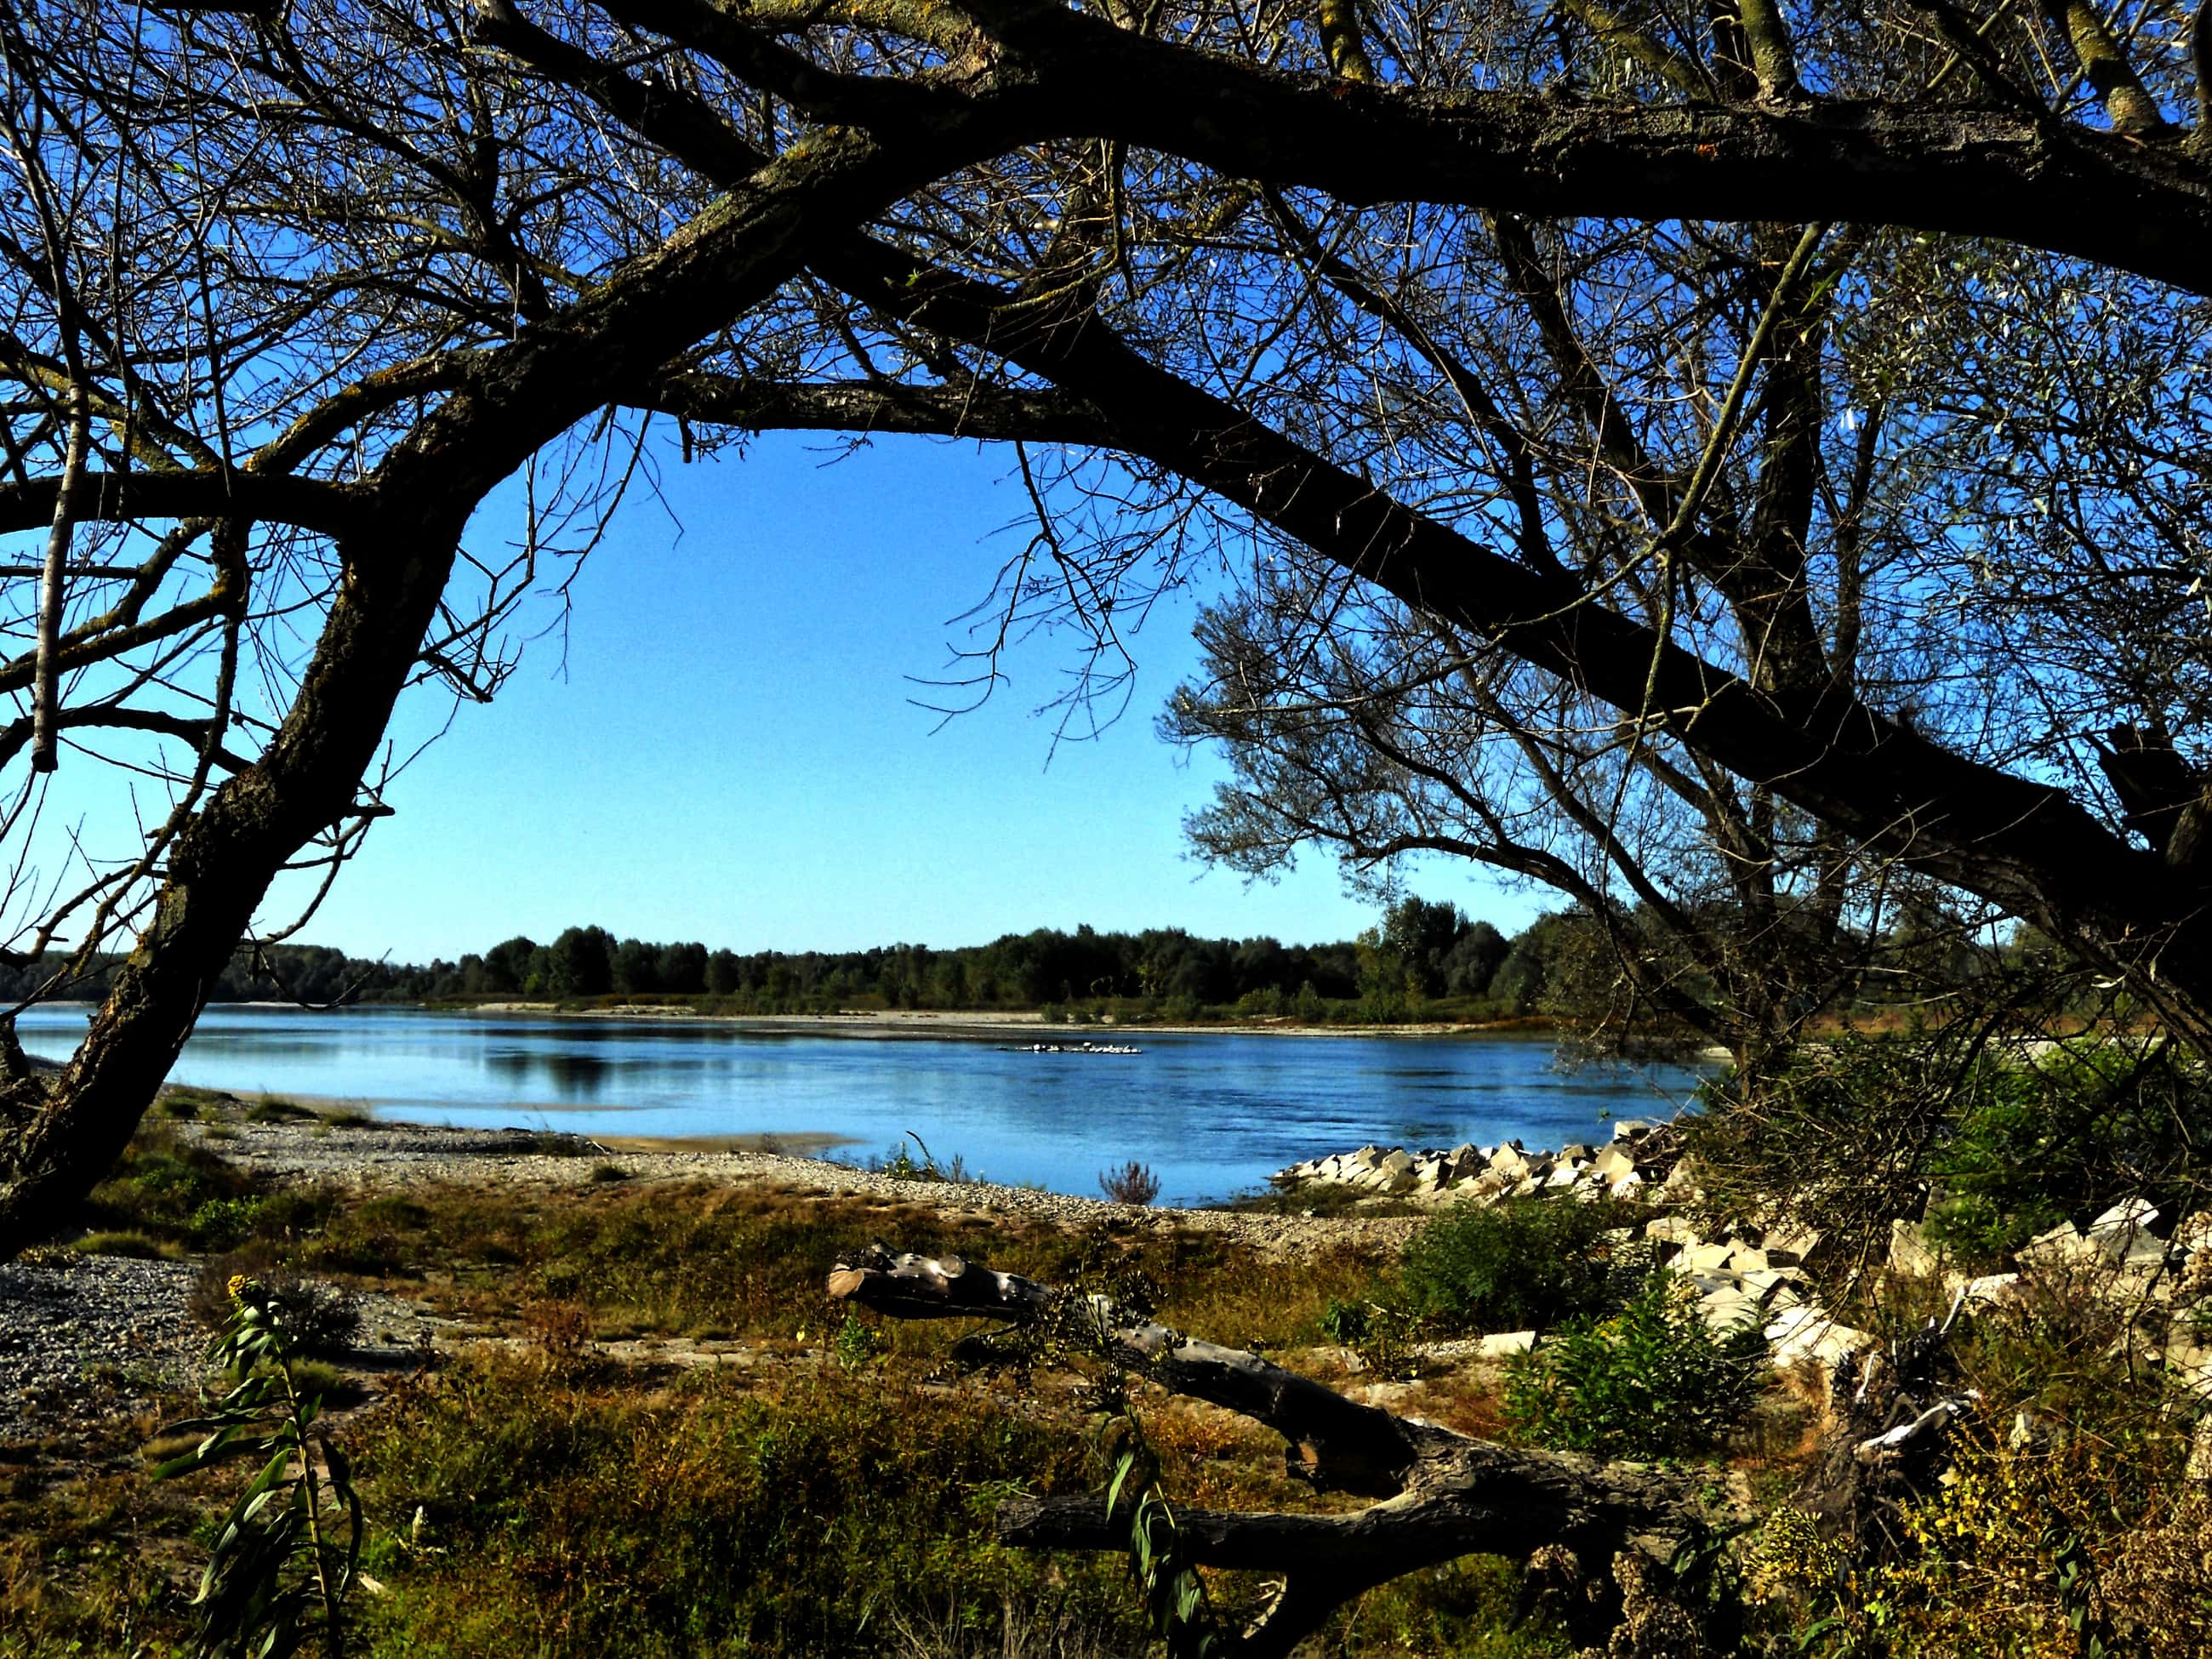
column 276, row 972
column 1439, row 952
column 1421, row 952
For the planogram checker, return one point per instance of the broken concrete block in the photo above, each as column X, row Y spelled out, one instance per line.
column 1725, row 1308
column 1910, row 1252
column 1790, row 1239
column 1704, row 1258
column 1616, row 1161
column 2063, row 1246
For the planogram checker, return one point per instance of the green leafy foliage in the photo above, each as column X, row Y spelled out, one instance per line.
column 2030, row 1142
column 1526, row 1264
column 1175, row 1596
column 287, row 1554
column 1653, row 1381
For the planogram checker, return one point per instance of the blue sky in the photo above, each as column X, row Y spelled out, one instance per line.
column 732, row 755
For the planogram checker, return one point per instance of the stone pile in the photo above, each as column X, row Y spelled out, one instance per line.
column 2158, row 1273
column 1754, row 1277
column 1641, row 1155
column 2129, row 1258
column 1746, row 1276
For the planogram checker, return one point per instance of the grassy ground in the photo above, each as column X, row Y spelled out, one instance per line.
column 647, row 1432
column 660, row 1439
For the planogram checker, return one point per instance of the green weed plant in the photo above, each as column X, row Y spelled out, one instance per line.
column 1654, row 1381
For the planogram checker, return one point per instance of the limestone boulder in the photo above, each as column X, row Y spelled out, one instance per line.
column 1910, row 1252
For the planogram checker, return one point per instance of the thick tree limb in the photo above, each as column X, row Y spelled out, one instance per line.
column 398, row 548
column 1337, row 1444
column 977, row 411
column 1445, row 1495
column 275, row 498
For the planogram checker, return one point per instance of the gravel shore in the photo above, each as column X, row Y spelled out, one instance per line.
column 400, row 1153
column 85, row 1339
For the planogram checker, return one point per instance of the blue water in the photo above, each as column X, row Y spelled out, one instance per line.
column 1212, row 1114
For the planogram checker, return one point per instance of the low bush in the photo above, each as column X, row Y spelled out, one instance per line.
column 160, row 1183
column 274, row 1109
column 901, row 1164
column 224, row 1223
column 123, row 1243
column 1653, row 1381
column 316, row 1318
column 1526, row 1264
column 1132, row 1183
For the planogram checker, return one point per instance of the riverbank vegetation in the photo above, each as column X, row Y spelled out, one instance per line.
column 646, row 1432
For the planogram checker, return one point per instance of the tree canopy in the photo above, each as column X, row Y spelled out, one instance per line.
column 1353, row 297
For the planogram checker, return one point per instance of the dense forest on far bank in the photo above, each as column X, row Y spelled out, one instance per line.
column 1421, row 955
column 1422, row 962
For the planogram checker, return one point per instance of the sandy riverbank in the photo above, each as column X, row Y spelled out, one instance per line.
column 959, row 1024
column 393, row 1156
column 84, row 1337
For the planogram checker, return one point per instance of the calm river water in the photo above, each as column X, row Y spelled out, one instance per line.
column 1212, row 1114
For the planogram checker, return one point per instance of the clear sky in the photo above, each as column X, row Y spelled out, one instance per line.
column 733, row 754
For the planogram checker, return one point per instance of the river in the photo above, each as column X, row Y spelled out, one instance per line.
column 1212, row 1115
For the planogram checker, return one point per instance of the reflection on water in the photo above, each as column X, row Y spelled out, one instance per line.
column 1212, row 1115
column 566, row 1077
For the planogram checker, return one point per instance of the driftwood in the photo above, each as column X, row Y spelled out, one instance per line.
column 1890, row 1441
column 1445, row 1494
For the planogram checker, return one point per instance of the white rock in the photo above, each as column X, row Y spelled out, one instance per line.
column 1704, row 1258
column 1806, row 1332
column 1790, row 1239
column 2130, row 1214
column 1728, row 1308
column 1910, row 1252
column 1989, row 1288
column 1670, row 1230
column 1506, row 1342
column 1615, row 1162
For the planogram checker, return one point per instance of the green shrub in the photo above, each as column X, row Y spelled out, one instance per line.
column 1529, row 1263
column 2031, row 1143
column 274, row 1109
column 121, row 1243
column 1653, row 1381
column 158, row 1184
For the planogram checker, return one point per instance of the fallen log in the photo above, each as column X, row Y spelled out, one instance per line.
column 1444, row 1494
